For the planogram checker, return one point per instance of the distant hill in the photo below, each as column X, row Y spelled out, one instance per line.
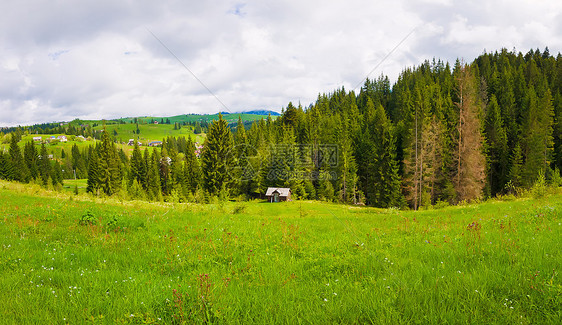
column 247, row 117
column 261, row 112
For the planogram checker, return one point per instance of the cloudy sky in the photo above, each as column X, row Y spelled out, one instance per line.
column 61, row 60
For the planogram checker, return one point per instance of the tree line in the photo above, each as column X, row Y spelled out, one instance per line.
column 440, row 133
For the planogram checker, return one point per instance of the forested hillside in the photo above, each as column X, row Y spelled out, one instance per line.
column 441, row 133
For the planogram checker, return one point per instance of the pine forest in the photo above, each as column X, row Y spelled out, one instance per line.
column 441, row 134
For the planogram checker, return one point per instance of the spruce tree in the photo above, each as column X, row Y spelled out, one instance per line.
column 378, row 168
column 244, row 172
column 146, row 161
column 496, row 145
column 154, row 189
column 78, row 163
column 44, row 165
column 30, row 156
column 216, row 157
column 6, row 168
column 191, row 169
column 94, row 181
column 516, row 170
column 109, row 165
column 165, row 166
column 56, row 175
column 347, row 168
column 469, row 174
column 386, row 181
column 20, row 170
column 537, row 142
column 135, row 165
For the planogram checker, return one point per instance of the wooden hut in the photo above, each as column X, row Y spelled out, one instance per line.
column 278, row 194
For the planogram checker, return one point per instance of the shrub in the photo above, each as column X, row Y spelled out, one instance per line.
column 239, row 208
column 112, row 224
column 88, row 219
column 540, row 188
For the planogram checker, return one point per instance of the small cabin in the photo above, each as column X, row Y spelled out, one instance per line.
column 278, row 194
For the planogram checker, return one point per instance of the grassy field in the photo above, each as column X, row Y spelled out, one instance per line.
column 70, row 185
column 150, row 132
column 76, row 259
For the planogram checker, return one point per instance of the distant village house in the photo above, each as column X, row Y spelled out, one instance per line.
column 198, row 149
column 155, row 143
column 132, row 142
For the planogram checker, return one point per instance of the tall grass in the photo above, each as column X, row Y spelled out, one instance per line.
column 295, row 262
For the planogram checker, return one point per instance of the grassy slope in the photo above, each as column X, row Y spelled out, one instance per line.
column 125, row 132
column 310, row 262
column 149, row 132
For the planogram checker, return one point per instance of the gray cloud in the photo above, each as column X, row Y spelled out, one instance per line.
column 96, row 59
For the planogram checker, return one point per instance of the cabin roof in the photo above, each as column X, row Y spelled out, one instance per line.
column 283, row 191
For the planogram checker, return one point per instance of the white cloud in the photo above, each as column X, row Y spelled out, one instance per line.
column 60, row 60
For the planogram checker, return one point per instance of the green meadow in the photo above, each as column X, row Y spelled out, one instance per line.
column 149, row 132
column 69, row 258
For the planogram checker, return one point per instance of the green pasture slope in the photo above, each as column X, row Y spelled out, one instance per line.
column 77, row 259
column 149, row 132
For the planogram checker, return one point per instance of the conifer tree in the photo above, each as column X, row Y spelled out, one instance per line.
column 415, row 151
column 44, row 165
column 386, row 179
column 176, row 165
column 30, row 156
column 154, row 189
column 347, row 169
column 191, row 169
column 244, row 173
column 94, row 181
column 109, row 166
column 165, row 164
column 516, row 170
column 537, row 142
column 6, row 168
column 469, row 174
column 378, row 168
column 557, row 128
column 136, row 165
column 216, row 157
column 146, row 161
column 496, row 145
column 20, row 171
column 56, row 175
column 78, row 163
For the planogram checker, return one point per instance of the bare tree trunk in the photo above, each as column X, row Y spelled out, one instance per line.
column 471, row 163
column 416, row 176
column 461, row 86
